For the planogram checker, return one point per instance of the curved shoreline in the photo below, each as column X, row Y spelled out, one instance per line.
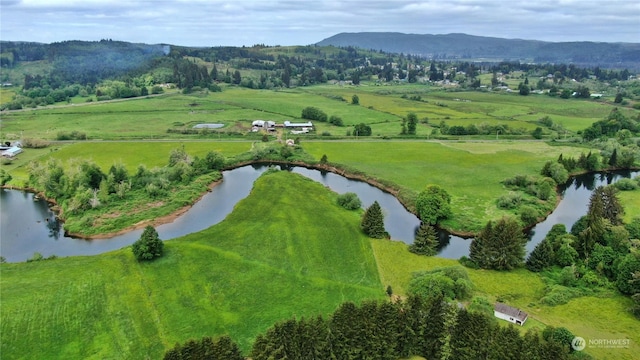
column 333, row 168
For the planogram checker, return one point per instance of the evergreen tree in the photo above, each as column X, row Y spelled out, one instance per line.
column 612, row 209
column 499, row 246
column 426, row 240
column 373, row 222
column 149, row 246
column 541, row 257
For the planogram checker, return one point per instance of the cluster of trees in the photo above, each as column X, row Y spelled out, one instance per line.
column 616, row 124
column 431, row 328
column 479, row 129
column 313, row 113
column 448, row 283
column 83, row 185
column 599, row 249
column 409, row 124
column 222, row 348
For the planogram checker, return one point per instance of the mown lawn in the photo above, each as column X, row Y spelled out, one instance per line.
column 591, row 317
column 269, row 260
column 471, row 172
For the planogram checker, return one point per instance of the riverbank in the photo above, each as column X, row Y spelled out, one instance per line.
column 404, row 196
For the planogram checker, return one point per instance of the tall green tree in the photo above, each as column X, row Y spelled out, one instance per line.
column 149, row 246
column 541, row 257
column 412, row 123
column 499, row 246
column 426, row 240
column 373, row 222
column 433, row 204
column 237, row 77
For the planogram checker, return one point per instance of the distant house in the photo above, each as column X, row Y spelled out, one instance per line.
column 509, row 313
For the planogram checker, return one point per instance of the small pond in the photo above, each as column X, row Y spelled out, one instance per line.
column 28, row 225
column 208, row 126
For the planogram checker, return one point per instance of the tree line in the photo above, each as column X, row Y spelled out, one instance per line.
column 427, row 327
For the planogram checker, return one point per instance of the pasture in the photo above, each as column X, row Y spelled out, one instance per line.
column 268, row 261
column 382, row 107
column 471, row 172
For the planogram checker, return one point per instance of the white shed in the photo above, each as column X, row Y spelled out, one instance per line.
column 509, row 313
column 12, row 151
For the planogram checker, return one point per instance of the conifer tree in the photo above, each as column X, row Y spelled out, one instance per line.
column 426, row 241
column 541, row 257
column 149, row 246
column 373, row 222
column 499, row 246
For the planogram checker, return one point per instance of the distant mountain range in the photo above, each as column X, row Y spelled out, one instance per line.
column 463, row 46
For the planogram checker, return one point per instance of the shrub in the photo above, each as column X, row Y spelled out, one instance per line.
column 626, row 184
column 528, row 214
column 510, row 201
column 34, row 143
column 451, row 282
column 313, row 113
column 349, row 201
column 149, row 246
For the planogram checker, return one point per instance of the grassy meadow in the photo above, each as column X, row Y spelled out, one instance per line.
column 287, row 249
column 592, row 317
column 382, row 107
column 269, row 260
column 471, row 172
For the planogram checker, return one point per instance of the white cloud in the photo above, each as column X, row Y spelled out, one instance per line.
column 291, row 22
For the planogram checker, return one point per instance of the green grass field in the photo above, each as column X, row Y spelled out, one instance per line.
column 268, row 261
column 591, row 317
column 380, row 106
column 470, row 171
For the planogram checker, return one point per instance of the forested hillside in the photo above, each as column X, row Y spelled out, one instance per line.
column 463, row 46
column 45, row 74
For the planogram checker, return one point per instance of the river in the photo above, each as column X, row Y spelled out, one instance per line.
column 28, row 225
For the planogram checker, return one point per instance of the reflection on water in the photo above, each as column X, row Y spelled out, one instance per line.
column 28, row 225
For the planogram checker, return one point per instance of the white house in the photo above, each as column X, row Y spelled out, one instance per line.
column 509, row 313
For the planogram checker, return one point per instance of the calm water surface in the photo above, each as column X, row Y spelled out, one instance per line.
column 28, row 226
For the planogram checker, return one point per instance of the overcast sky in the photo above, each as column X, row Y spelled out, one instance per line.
column 304, row 22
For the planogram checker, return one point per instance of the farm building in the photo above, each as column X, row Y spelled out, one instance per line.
column 289, row 124
column 268, row 125
column 12, row 151
column 509, row 313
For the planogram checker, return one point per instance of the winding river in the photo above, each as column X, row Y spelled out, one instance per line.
column 28, row 225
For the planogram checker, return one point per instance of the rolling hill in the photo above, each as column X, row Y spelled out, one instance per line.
column 463, row 46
